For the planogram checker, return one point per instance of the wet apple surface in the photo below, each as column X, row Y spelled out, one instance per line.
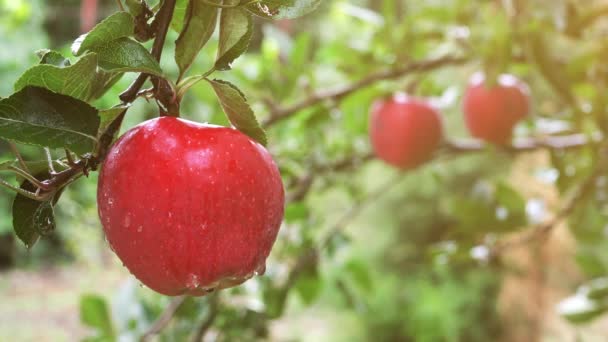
column 188, row 207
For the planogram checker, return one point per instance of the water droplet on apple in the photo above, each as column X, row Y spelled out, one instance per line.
column 127, row 221
column 193, row 282
column 140, row 229
column 261, row 270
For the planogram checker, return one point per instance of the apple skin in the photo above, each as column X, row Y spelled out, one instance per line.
column 491, row 112
column 190, row 208
column 404, row 131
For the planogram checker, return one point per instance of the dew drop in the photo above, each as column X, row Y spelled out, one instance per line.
column 261, row 270
column 127, row 221
column 193, row 282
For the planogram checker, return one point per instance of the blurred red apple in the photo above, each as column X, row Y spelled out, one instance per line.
column 404, row 131
column 492, row 110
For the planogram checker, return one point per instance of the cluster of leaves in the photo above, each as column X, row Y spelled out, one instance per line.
column 52, row 106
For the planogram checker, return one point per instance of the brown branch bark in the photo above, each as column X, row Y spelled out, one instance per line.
column 279, row 114
column 90, row 162
column 455, row 147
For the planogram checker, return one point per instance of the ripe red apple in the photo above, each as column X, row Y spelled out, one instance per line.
column 404, row 131
column 190, row 208
column 492, row 111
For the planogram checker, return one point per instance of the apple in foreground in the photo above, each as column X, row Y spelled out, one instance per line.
column 404, row 131
column 492, row 110
column 190, row 208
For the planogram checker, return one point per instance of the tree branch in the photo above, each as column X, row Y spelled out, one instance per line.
column 90, row 162
column 556, row 142
column 208, row 321
column 543, row 230
column 164, row 319
column 163, row 21
column 279, row 114
column 455, row 147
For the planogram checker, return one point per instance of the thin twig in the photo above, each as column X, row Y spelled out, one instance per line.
column 163, row 20
column 335, row 94
column 454, row 147
column 18, row 155
column 543, row 230
column 310, row 255
column 207, row 323
column 49, row 160
column 164, row 319
column 27, row 176
column 58, row 180
column 557, row 142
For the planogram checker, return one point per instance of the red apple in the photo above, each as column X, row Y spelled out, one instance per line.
column 404, row 131
column 190, row 208
column 492, row 111
column 88, row 15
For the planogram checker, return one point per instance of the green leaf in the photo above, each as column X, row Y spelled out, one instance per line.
column 238, row 110
column 297, row 211
column 360, row 274
column 236, row 29
column 109, row 115
column 94, row 313
column 283, row 9
column 200, row 22
column 53, row 58
column 75, row 81
column 126, row 55
column 179, row 15
column 103, row 82
column 136, row 7
column 32, row 218
column 116, row 26
column 309, row 287
column 37, row 116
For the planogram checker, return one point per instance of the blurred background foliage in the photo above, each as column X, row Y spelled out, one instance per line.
column 409, row 260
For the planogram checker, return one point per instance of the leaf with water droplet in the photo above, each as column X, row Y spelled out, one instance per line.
column 283, row 9
column 32, row 218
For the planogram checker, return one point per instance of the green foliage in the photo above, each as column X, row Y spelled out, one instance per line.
column 238, row 110
column 201, row 20
column 95, row 314
column 278, row 9
column 236, row 28
column 40, row 117
column 119, row 25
